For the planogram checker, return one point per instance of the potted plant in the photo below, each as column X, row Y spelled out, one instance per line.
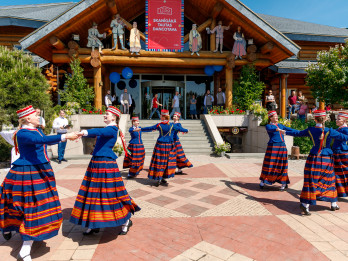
column 118, row 149
column 221, row 149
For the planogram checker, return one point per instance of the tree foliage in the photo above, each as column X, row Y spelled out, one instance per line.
column 21, row 84
column 328, row 78
column 77, row 89
column 248, row 89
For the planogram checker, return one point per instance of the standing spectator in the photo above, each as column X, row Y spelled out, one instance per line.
column 302, row 112
column 175, row 104
column 292, row 103
column 109, row 99
column 300, row 98
column 328, row 107
column 193, row 107
column 220, row 98
column 132, row 107
column 154, row 106
column 208, row 101
column 271, row 105
column 61, row 125
column 42, row 123
column 126, row 101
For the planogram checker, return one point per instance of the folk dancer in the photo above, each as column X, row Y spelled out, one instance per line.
column 319, row 176
column 135, row 160
column 117, row 26
column 275, row 163
column 340, row 156
column 103, row 201
column 181, row 160
column 163, row 161
column 29, row 202
column 92, row 38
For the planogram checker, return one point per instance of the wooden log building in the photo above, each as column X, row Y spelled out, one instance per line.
column 280, row 48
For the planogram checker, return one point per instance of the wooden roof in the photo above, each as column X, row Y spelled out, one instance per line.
column 79, row 18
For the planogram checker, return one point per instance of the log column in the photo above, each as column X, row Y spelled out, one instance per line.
column 98, row 85
column 212, row 36
column 321, row 105
column 283, row 96
column 229, row 85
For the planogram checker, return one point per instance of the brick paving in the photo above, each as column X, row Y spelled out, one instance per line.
column 214, row 211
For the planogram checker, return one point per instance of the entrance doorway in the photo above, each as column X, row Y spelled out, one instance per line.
column 166, row 92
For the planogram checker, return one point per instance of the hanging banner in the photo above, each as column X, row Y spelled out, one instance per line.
column 164, row 25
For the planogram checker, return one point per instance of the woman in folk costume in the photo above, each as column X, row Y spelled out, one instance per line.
column 195, row 40
column 319, row 176
column 103, row 200
column 181, row 160
column 275, row 163
column 29, row 202
column 163, row 161
column 239, row 46
column 340, row 156
column 134, row 39
column 135, row 160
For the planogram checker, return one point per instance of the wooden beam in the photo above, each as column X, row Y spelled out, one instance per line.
column 267, row 48
column 283, row 96
column 200, row 29
column 97, row 88
column 111, row 4
column 57, row 43
column 155, row 70
column 229, row 86
column 212, row 36
column 216, row 10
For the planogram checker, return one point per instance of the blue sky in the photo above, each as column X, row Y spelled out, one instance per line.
column 326, row 12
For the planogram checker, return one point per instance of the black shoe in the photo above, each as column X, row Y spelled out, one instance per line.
column 122, row 233
column 130, row 177
column 59, row 162
column 7, row 236
column 94, row 230
column 20, row 258
column 163, row 181
column 64, row 160
column 305, row 210
column 261, row 186
column 157, row 183
column 334, row 208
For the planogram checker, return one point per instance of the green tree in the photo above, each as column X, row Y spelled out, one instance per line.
column 77, row 89
column 21, row 84
column 328, row 78
column 248, row 89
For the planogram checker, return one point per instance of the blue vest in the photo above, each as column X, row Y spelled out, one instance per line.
column 32, row 146
column 106, row 139
column 339, row 146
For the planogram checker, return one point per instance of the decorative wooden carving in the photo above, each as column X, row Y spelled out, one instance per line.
column 200, row 29
column 267, row 48
column 231, row 61
column 57, row 43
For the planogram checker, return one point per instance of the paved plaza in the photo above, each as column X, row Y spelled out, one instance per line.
column 214, row 211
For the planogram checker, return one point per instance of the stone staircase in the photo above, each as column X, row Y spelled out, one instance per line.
column 196, row 142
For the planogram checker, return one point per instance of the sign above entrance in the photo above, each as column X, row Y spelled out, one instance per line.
column 165, row 25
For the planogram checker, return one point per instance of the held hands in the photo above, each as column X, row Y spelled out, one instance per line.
column 71, row 136
column 281, row 131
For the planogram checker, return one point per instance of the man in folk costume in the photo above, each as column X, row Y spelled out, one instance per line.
column 126, row 101
column 181, row 160
column 220, row 98
column 135, row 160
column 275, row 163
column 340, row 156
column 117, row 26
column 163, row 161
column 134, row 39
column 29, row 202
column 103, row 201
column 93, row 35
column 195, row 40
column 219, row 37
column 319, row 177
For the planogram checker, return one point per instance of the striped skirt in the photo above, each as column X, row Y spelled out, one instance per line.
column 29, row 202
column 181, row 160
column 341, row 172
column 163, row 161
column 275, row 165
column 135, row 162
column 319, row 180
column 103, row 201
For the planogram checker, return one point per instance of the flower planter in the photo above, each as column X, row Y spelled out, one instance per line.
column 221, row 154
column 232, row 120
